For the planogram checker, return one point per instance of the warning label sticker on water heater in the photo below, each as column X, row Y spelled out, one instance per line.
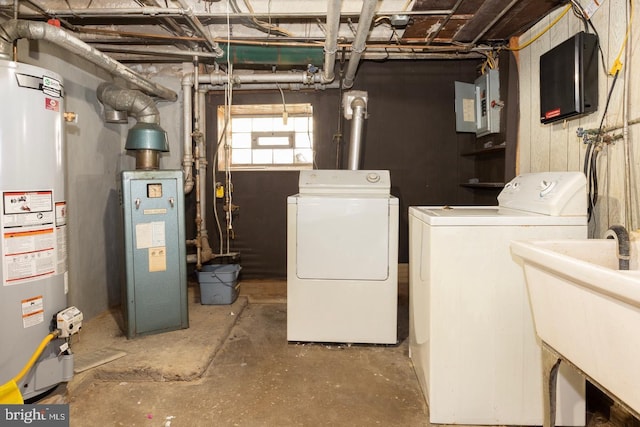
column 32, row 311
column 29, row 241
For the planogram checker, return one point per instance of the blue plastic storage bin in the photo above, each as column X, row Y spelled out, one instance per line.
column 219, row 283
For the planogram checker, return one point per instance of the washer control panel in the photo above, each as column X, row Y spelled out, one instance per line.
column 342, row 181
column 548, row 193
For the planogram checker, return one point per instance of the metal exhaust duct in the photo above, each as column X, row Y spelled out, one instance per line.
column 355, row 107
column 146, row 137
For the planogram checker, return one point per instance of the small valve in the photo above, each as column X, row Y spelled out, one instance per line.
column 70, row 117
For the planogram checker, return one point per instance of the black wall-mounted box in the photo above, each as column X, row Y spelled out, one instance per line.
column 569, row 79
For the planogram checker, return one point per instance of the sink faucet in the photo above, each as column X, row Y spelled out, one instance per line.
column 621, row 236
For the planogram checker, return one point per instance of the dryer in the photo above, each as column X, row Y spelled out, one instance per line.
column 471, row 334
column 342, row 258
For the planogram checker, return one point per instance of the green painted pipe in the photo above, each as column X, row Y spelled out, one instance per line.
column 273, row 55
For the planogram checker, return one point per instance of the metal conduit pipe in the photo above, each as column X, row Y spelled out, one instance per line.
column 206, row 253
column 146, row 11
column 272, row 86
column 299, row 77
column 331, row 45
column 198, row 138
column 187, row 157
column 492, row 23
column 197, row 25
column 15, row 29
column 360, row 42
column 355, row 147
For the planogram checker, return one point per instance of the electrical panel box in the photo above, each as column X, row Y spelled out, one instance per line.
column 478, row 105
column 155, row 294
column 569, row 79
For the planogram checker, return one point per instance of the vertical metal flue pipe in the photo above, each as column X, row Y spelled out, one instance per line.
column 355, row 145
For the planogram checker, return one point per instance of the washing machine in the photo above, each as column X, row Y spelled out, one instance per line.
column 342, row 258
column 472, row 338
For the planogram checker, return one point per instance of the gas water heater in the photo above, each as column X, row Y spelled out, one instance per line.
column 33, row 227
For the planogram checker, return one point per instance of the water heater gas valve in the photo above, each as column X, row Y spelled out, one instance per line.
column 69, row 321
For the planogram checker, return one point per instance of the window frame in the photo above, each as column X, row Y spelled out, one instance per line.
column 264, row 111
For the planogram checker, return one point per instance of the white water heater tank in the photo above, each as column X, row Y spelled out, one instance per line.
column 33, row 212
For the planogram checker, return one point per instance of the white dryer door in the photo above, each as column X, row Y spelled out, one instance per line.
column 343, row 238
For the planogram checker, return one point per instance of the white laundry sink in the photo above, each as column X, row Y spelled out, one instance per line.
column 587, row 310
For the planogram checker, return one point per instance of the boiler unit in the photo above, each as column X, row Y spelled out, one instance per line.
column 155, row 252
column 33, row 225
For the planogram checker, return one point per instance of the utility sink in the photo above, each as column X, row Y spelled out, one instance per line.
column 586, row 310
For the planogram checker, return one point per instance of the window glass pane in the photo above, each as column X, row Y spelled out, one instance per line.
column 283, row 156
column 241, row 156
column 241, row 124
column 300, row 124
column 241, row 140
column 262, row 156
column 302, row 140
column 259, row 136
column 303, row 156
column 262, row 124
column 279, row 126
column 273, row 140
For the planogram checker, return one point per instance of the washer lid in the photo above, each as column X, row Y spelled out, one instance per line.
column 353, row 182
column 488, row 216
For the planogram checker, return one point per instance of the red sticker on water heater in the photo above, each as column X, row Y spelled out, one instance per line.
column 551, row 114
column 51, row 104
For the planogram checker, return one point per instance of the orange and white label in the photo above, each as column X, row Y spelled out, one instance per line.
column 29, row 238
column 32, row 311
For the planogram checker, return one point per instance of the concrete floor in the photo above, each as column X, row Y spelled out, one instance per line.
column 234, row 367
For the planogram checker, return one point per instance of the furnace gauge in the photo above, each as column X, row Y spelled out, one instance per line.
column 154, row 191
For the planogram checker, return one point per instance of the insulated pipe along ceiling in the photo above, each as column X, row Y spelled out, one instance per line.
column 359, row 43
column 15, row 29
column 331, row 45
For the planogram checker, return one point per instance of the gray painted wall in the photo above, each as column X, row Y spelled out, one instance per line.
column 95, row 158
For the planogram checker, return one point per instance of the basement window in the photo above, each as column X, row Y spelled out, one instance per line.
column 265, row 136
